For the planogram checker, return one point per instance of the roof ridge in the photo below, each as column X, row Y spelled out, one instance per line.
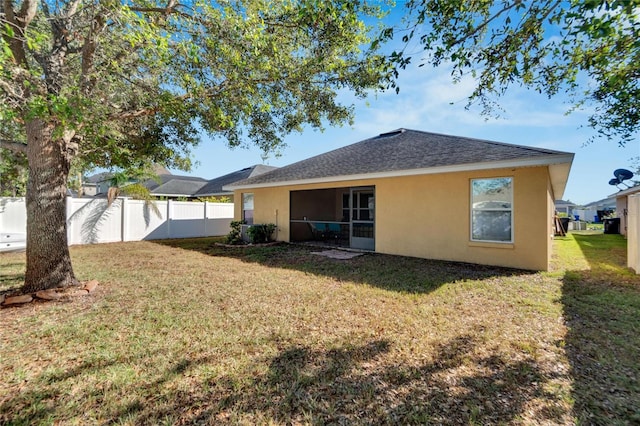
column 498, row 143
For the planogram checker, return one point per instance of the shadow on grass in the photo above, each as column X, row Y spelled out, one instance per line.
column 397, row 273
column 353, row 385
column 349, row 385
column 602, row 314
column 301, row 384
column 10, row 283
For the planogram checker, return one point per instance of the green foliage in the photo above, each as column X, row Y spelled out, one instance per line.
column 235, row 236
column 588, row 49
column 13, row 174
column 261, row 233
column 215, row 199
column 138, row 82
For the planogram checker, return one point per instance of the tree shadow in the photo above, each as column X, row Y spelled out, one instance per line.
column 355, row 385
column 461, row 383
column 396, row 273
column 11, row 283
column 601, row 311
column 36, row 402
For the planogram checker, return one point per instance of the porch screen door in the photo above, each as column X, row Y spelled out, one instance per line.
column 363, row 218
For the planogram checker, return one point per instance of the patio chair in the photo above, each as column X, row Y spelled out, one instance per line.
column 318, row 230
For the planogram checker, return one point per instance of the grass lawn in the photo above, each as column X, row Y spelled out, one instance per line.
column 184, row 332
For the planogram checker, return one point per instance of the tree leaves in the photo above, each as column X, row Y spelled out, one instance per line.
column 142, row 79
column 587, row 49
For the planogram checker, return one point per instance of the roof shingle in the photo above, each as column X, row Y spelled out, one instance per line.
column 399, row 150
column 214, row 186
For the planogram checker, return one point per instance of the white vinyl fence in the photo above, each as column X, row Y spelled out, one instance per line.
column 633, row 232
column 90, row 221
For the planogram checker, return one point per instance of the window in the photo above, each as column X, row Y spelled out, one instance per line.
column 492, row 209
column 247, row 208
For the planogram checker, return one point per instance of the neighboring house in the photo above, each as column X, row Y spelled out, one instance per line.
column 96, row 184
column 595, row 211
column 167, row 185
column 174, row 186
column 213, row 188
column 164, row 185
column 565, row 207
column 419, row 194
column 622, row 206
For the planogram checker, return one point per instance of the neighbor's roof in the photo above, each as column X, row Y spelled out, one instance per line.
column 627, row 191
column 214, row 186
column 603, row 203
column 99, row 177
column 174, row 185
column 405, row 152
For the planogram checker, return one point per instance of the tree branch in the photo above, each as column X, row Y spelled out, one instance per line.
column 27, row 12
column 88, row 52
column 485, row 23
column 13, row 146
column 18, row 26
column 71, row 9
column 169, row 8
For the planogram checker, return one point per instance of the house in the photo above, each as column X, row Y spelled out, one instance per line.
column 213, row 187
column 96, row 184
column 565, row 207
column 622, row 205
column 595, row 211
column 420, row 194
column 174, row 186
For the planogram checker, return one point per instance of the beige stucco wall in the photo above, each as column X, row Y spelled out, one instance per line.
column 428, row 216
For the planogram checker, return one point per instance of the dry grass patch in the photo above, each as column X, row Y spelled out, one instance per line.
column 187, row 332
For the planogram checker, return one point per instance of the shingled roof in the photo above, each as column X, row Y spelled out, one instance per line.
column 174, row 185
column 406, row 152
column 214, row 186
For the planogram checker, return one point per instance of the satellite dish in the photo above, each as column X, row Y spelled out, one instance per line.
column 622, row 174
column 614, row 181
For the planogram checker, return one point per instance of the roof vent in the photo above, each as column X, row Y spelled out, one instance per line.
column 392, row 133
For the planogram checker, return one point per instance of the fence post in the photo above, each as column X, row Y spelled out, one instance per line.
column 204, row 221
column 169, row 212
column 69, row 208
column 124, row 229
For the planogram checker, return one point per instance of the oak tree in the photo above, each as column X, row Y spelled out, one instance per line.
column 127, row 83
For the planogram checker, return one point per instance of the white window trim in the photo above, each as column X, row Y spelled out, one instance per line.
column 243, row 209
column 471, row 209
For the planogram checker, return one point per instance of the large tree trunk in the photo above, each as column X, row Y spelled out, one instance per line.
column 48, row 260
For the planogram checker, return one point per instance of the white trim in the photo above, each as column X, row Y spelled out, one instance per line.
column 510, row 210
column 528, row 162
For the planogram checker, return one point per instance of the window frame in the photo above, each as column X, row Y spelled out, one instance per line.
column 472, row 209
column 244, row 210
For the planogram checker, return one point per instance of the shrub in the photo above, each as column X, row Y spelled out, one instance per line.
column 261, row 233
column 235, row 235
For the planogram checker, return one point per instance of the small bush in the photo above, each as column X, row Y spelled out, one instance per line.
column 261, row 233
column 235, row 236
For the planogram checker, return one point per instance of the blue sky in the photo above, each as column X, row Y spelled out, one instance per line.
column 429, row 101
